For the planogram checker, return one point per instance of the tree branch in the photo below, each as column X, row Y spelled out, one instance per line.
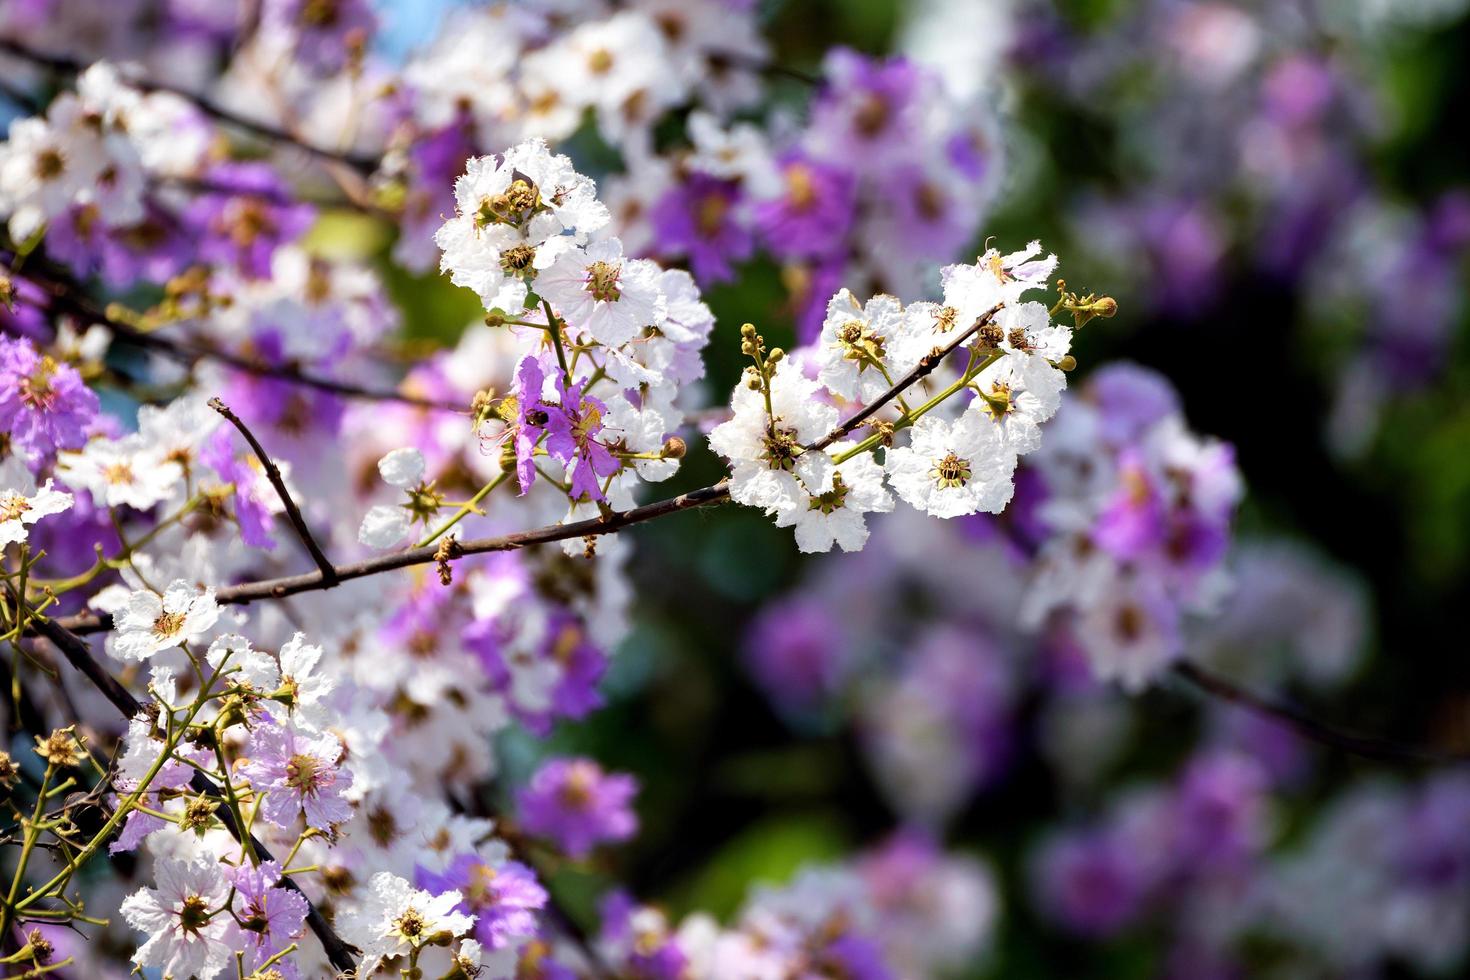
column 1367, row 746
column 293, row 513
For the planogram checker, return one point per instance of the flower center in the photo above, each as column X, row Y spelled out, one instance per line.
column 781, row 449
column 600, row 62
column 50, row 164
column 861, row 344
column 320, row 13
column 951, row 472
column 517, row 258
column 303, row 772
column 411, row 923
column 168, row 624
column 602, row 282
column 833, row 499
column 12, row 505
column 36, row 389
column 118, row 474
column 510, row 207
column 194, row 913
column 480, row 890
column 800, row 188
column 576, row 792
column 871, row 116
column 710, row 215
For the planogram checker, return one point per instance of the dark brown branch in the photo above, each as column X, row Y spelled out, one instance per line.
column 279, row 588
column 1367, row 746
column 71, row 66
column 79, row 655
column 722, row 58
column 63, row 298
column 293, row 512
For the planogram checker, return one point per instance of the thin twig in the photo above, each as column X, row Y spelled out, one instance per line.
column 723, row 58
column 279, row 588
column 1367, row 746
column 293, row 512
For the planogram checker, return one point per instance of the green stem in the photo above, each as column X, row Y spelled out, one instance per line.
column 468, row 507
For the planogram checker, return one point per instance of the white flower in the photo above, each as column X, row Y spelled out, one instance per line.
column 45, row 164
column 151, row 623
column 994, row 280
column 396, row 918
column 765, row 454
column 858, row 344
column 122, row 472
column 1026, row 328
column 184, row 938
column 837, row 515
column 1132, row 633
column 514, row 218
column 950, row 469
column 599, row 291
column 307, row 685
column 638, row 431
column 21, row 503
column 384, row 526
column 252, row 667
column 741, row 152
column 176, row 432
column 402, row 468
column 623, row 61
column 1017, row 394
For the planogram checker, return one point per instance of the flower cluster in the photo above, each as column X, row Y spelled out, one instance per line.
column 964, row 441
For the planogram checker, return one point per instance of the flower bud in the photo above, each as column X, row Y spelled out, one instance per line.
column 1067, row 363
column 775, row 355
column 747, row 330
column 674, row 448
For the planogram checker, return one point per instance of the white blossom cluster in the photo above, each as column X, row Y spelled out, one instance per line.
column 955, row 439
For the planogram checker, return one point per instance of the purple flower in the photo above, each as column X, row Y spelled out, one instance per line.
column 797, row 651
column 299, row 772
column 532, row 415
column 813, row 214
column 1130, row 399
column 869, row 111
column 573, row 803
column 44, row 404
column 570, row 437
column 648, row 953
column 1090, row 884
column 1219, row 811
column 270, row 917
column 558, row 680
column 699, row 218
column 503, row 897
column 245, row 217
column 854, row 957
column 256, row 501
column 322, row 30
